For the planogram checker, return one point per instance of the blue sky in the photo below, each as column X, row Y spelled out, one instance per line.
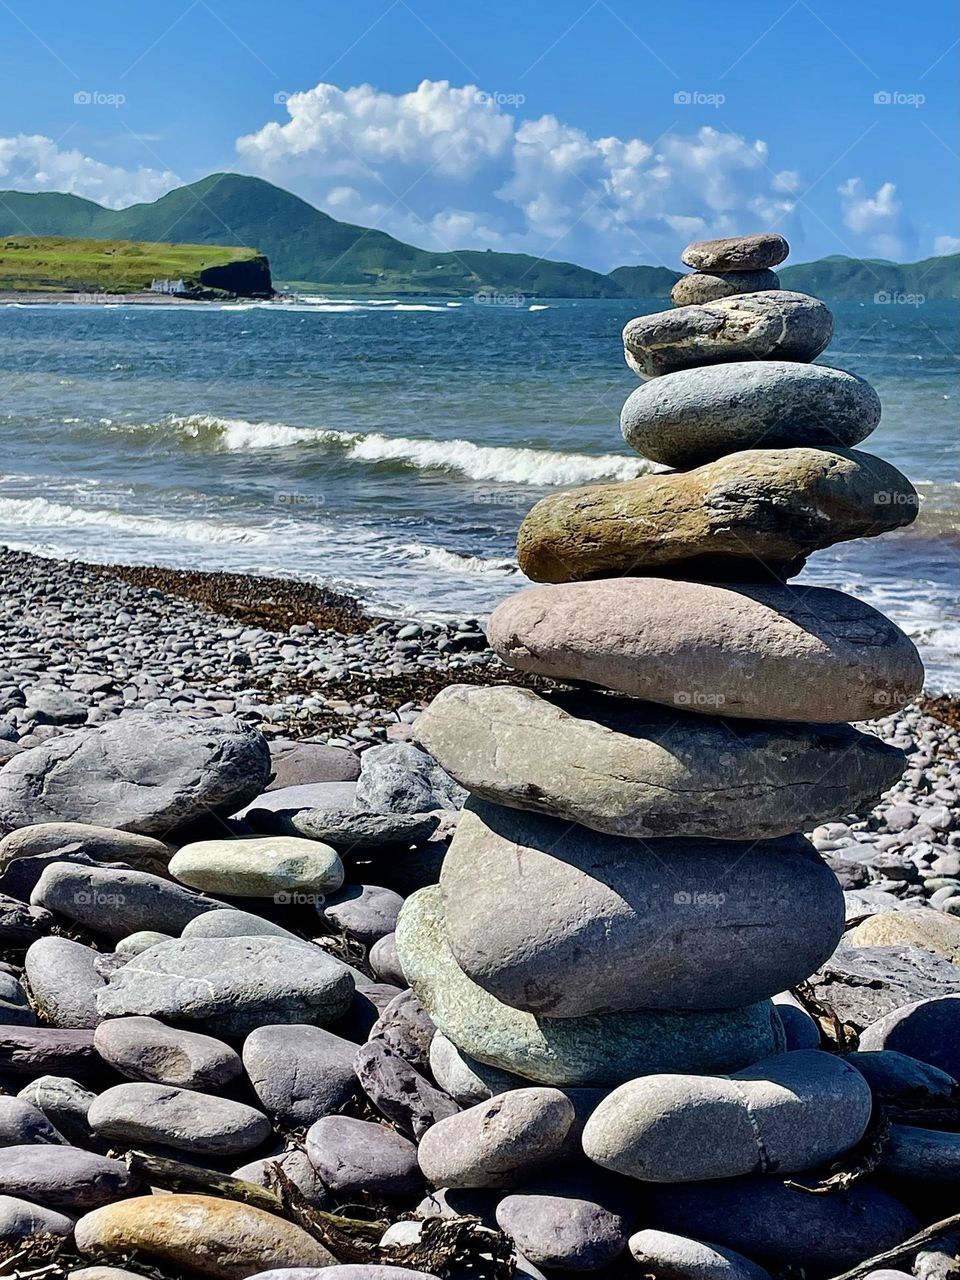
column 599, row 131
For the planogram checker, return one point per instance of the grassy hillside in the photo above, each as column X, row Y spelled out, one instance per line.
column 309, row 247
column 44, row 264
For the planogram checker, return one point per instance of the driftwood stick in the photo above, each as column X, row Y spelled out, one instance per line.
column 174, row 1176
column 901, row 1252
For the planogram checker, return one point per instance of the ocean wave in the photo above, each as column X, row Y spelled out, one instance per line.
column 454, row 561
column 501, row 464
column 38, row 513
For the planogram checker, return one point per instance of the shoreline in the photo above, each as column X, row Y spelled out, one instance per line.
column 300, row 660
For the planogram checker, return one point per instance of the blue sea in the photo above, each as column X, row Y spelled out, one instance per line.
column 391, row 448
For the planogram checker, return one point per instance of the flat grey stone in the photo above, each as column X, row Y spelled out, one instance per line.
column 134, row 943
column 603, row 1049
column 778, row 1226
column 21, row 1122
column 921, row 1155
column 863, row 984
column 64, row 981
column 178, row 1118
column 762, row 652
column 689, row 417
column 145, row 1049
column 231, row 985
column 278, row 867
column 754, row 252
column 354, row 832
column 783, row 1115
column 366, row 912
column 117, row 903
column 20, row 1219
column 672, row 1257
column 499, row 1142
column 664, row 924
column 926, row 1029
column 632, row 770
column 356, row 1155
column 65, row 1103
column 290, row 800
column 300, row 1073
column 399, row 1092
column 231, row 923
column 23, row 874
column 704, row 286
column 306, row 762
column 562, row 1232
column 776, row 324
column 15, row 1008
column 149, row 773
column 399, row 778
column 101, row 844
column 36, row 1051
column 63, row 1177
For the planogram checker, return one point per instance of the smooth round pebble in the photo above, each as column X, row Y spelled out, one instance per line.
column 259, row 867
column 357, row 1155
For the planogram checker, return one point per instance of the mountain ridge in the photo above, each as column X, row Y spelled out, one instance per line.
column 306, row 246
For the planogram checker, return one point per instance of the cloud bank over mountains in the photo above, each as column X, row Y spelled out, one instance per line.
column 448, row 167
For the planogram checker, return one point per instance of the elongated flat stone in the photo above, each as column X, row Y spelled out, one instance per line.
column 115, row 903
column 62, row 1177
column 705, row 286
column 694, row 415
column 633, row 769
column 749, row 516
column 230, row 985
column 598, row 1050
column 564, row 922
column 737, row 253
column 177, row 1118
column 783, row 1115
column 765, row 652
column 258, row 866
column 774, row 325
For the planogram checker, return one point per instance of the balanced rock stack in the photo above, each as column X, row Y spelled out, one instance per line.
column 627, row 890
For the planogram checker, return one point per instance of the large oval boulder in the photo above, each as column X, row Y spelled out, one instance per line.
column 281, row 867
column 751, row 515
column 604, row 1049
column 782, row 1115
column 773, row 325
column 753, row 252
column 149, row 773
column 694, row 415
column 230, row 985
column 201, row 1235
column 635, row 770
column 562, row 921
column 115, row 903
column 177, row 1118
column 765, row 652
column 63, row 1177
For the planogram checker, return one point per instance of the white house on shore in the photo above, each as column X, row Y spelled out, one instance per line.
column 168, row 286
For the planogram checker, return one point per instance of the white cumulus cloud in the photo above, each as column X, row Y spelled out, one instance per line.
column 878, row 218
column 946, row 244
column 32, row 162
column 452, row 167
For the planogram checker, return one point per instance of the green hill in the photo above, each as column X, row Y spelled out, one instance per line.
column 308, row 247
column 45, row 264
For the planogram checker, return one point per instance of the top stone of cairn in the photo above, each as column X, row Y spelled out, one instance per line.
column 737, row 253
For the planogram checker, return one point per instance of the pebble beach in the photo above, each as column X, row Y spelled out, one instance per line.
column 616, row 932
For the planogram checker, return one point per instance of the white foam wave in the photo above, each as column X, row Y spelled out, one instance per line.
column 441, row 558
column 500, row 464
column 39, row 513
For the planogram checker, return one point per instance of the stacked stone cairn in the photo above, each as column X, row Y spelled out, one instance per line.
column 627, row 902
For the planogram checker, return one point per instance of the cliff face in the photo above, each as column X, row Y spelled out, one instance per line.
column 247, row 277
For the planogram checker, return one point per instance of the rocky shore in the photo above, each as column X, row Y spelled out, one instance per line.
column 625, row 943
